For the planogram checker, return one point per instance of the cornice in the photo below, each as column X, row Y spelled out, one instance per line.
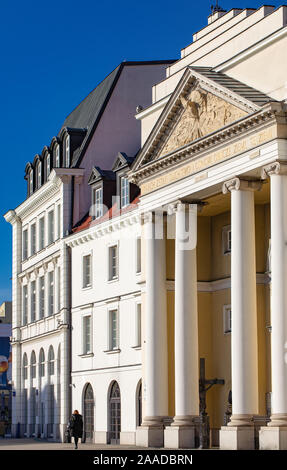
column 249, row 123
column 104, row 229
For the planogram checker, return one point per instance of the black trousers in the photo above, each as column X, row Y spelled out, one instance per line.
column 76, row 440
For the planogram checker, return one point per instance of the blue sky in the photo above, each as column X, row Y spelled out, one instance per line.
column 54, row 53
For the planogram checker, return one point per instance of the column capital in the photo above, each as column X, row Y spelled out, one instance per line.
column 183, row 206
column 275, row 168
column 236, row 184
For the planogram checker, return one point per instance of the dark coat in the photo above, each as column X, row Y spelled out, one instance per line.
column 76, row 425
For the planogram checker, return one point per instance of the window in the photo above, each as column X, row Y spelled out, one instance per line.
column 124, row 191
column 113, row 262
column 226, row 240
column 51, row 293
column 138, row 255
column 98, row 202
column 42, row 364
column 39, row 175
column 87, row 335
column 25, row 245
column 48, row 163
column 41, row 297
column 87, row 271
column 57, row 156
column 59, row 221
column 67, row 151
column 33, row 239
column 227, row 319
column 51, row 361
column 41, row 233
column 33, row 365
column 25, row 305
column 138, row 324
column 31, row 182
column 33, row 301
column 51, row 234
column 59, row 289
column 25, row 367
column 114, row 330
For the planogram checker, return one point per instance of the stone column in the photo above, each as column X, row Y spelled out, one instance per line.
column 239, row 434
column 181, row 432
column 274, row 436
column 151, row 432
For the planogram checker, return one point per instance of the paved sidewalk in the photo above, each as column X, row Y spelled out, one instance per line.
column 35, row 444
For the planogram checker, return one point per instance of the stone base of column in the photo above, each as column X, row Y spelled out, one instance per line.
column 179, row 437
column 149, row 436
column 100, row 437
column 237, row 438
column 273, row 438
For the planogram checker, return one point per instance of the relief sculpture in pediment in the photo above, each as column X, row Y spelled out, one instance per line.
column 203, row 113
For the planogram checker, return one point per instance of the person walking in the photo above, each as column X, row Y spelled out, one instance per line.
column 76, row 427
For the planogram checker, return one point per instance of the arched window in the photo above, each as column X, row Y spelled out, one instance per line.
column 89, row 405
column 48, row 164
column 31, row 182
column 25, row 367
column 57, row 156
column 67, row 151
column 42, row 363
column 115, row 413
column 39, row 175
column 51, row 361
column 33, row 365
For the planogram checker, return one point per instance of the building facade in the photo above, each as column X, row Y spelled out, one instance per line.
column 162, row 259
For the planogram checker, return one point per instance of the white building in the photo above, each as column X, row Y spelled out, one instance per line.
column 58, row 197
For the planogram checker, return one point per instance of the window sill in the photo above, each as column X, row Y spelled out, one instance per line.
column 225, row 253
column 87, row 287
column 112, row 351
column 137, row 348
column 86, row 355
column 110, row 281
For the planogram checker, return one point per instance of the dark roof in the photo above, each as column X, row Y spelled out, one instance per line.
column 247, row 92
column 88, row 113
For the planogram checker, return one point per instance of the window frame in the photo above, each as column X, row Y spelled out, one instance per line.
column 227, row 319
column 51, row 293
column 226, row 240
column 33, row 297
column 110, row 344
column 33, row 239
column 41, row 233
column 57, row 156
column 98, row 206
column 112, row 277
column 85, row 350
column 24, row 305
column 67, row 153
column 124, row 191
column 86, row 285
column 25, row 243
column 51, row 233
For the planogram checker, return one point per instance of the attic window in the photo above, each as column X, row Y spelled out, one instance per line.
column 125, row 196
column 48, row 165
column 98, row 202
column 67, row 151
column 57, row 156
column 39, row 175
column 31, row 182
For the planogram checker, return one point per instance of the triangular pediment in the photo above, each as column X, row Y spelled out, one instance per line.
column 197, row 108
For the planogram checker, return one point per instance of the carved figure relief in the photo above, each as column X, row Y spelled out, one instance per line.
column 203, row 113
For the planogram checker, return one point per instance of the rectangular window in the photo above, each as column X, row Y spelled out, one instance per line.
column 25, row 245
column 227, row 319
column 98, row 202
column 59, row 221
column 138, row 325
column 87, row 335
column 41, row 297
column 226, row 240
column 113, row 262
column 124, row 191
column 41, row 233
column 114, row 330
column 33, row 301
column 51, row 234
column 33, row 239
column 87, row 271
column 25, row 305
column 59, row 289
column 51, row 293
column 138, row 255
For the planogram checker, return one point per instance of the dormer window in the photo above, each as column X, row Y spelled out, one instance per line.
column 125, row 196
column 98, row 202
column 39, row 175
column 48, row 163
column 31, row 182
column 67, row 151
column 57, row 156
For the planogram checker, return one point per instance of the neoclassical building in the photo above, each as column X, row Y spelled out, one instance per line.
column 163, row 269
